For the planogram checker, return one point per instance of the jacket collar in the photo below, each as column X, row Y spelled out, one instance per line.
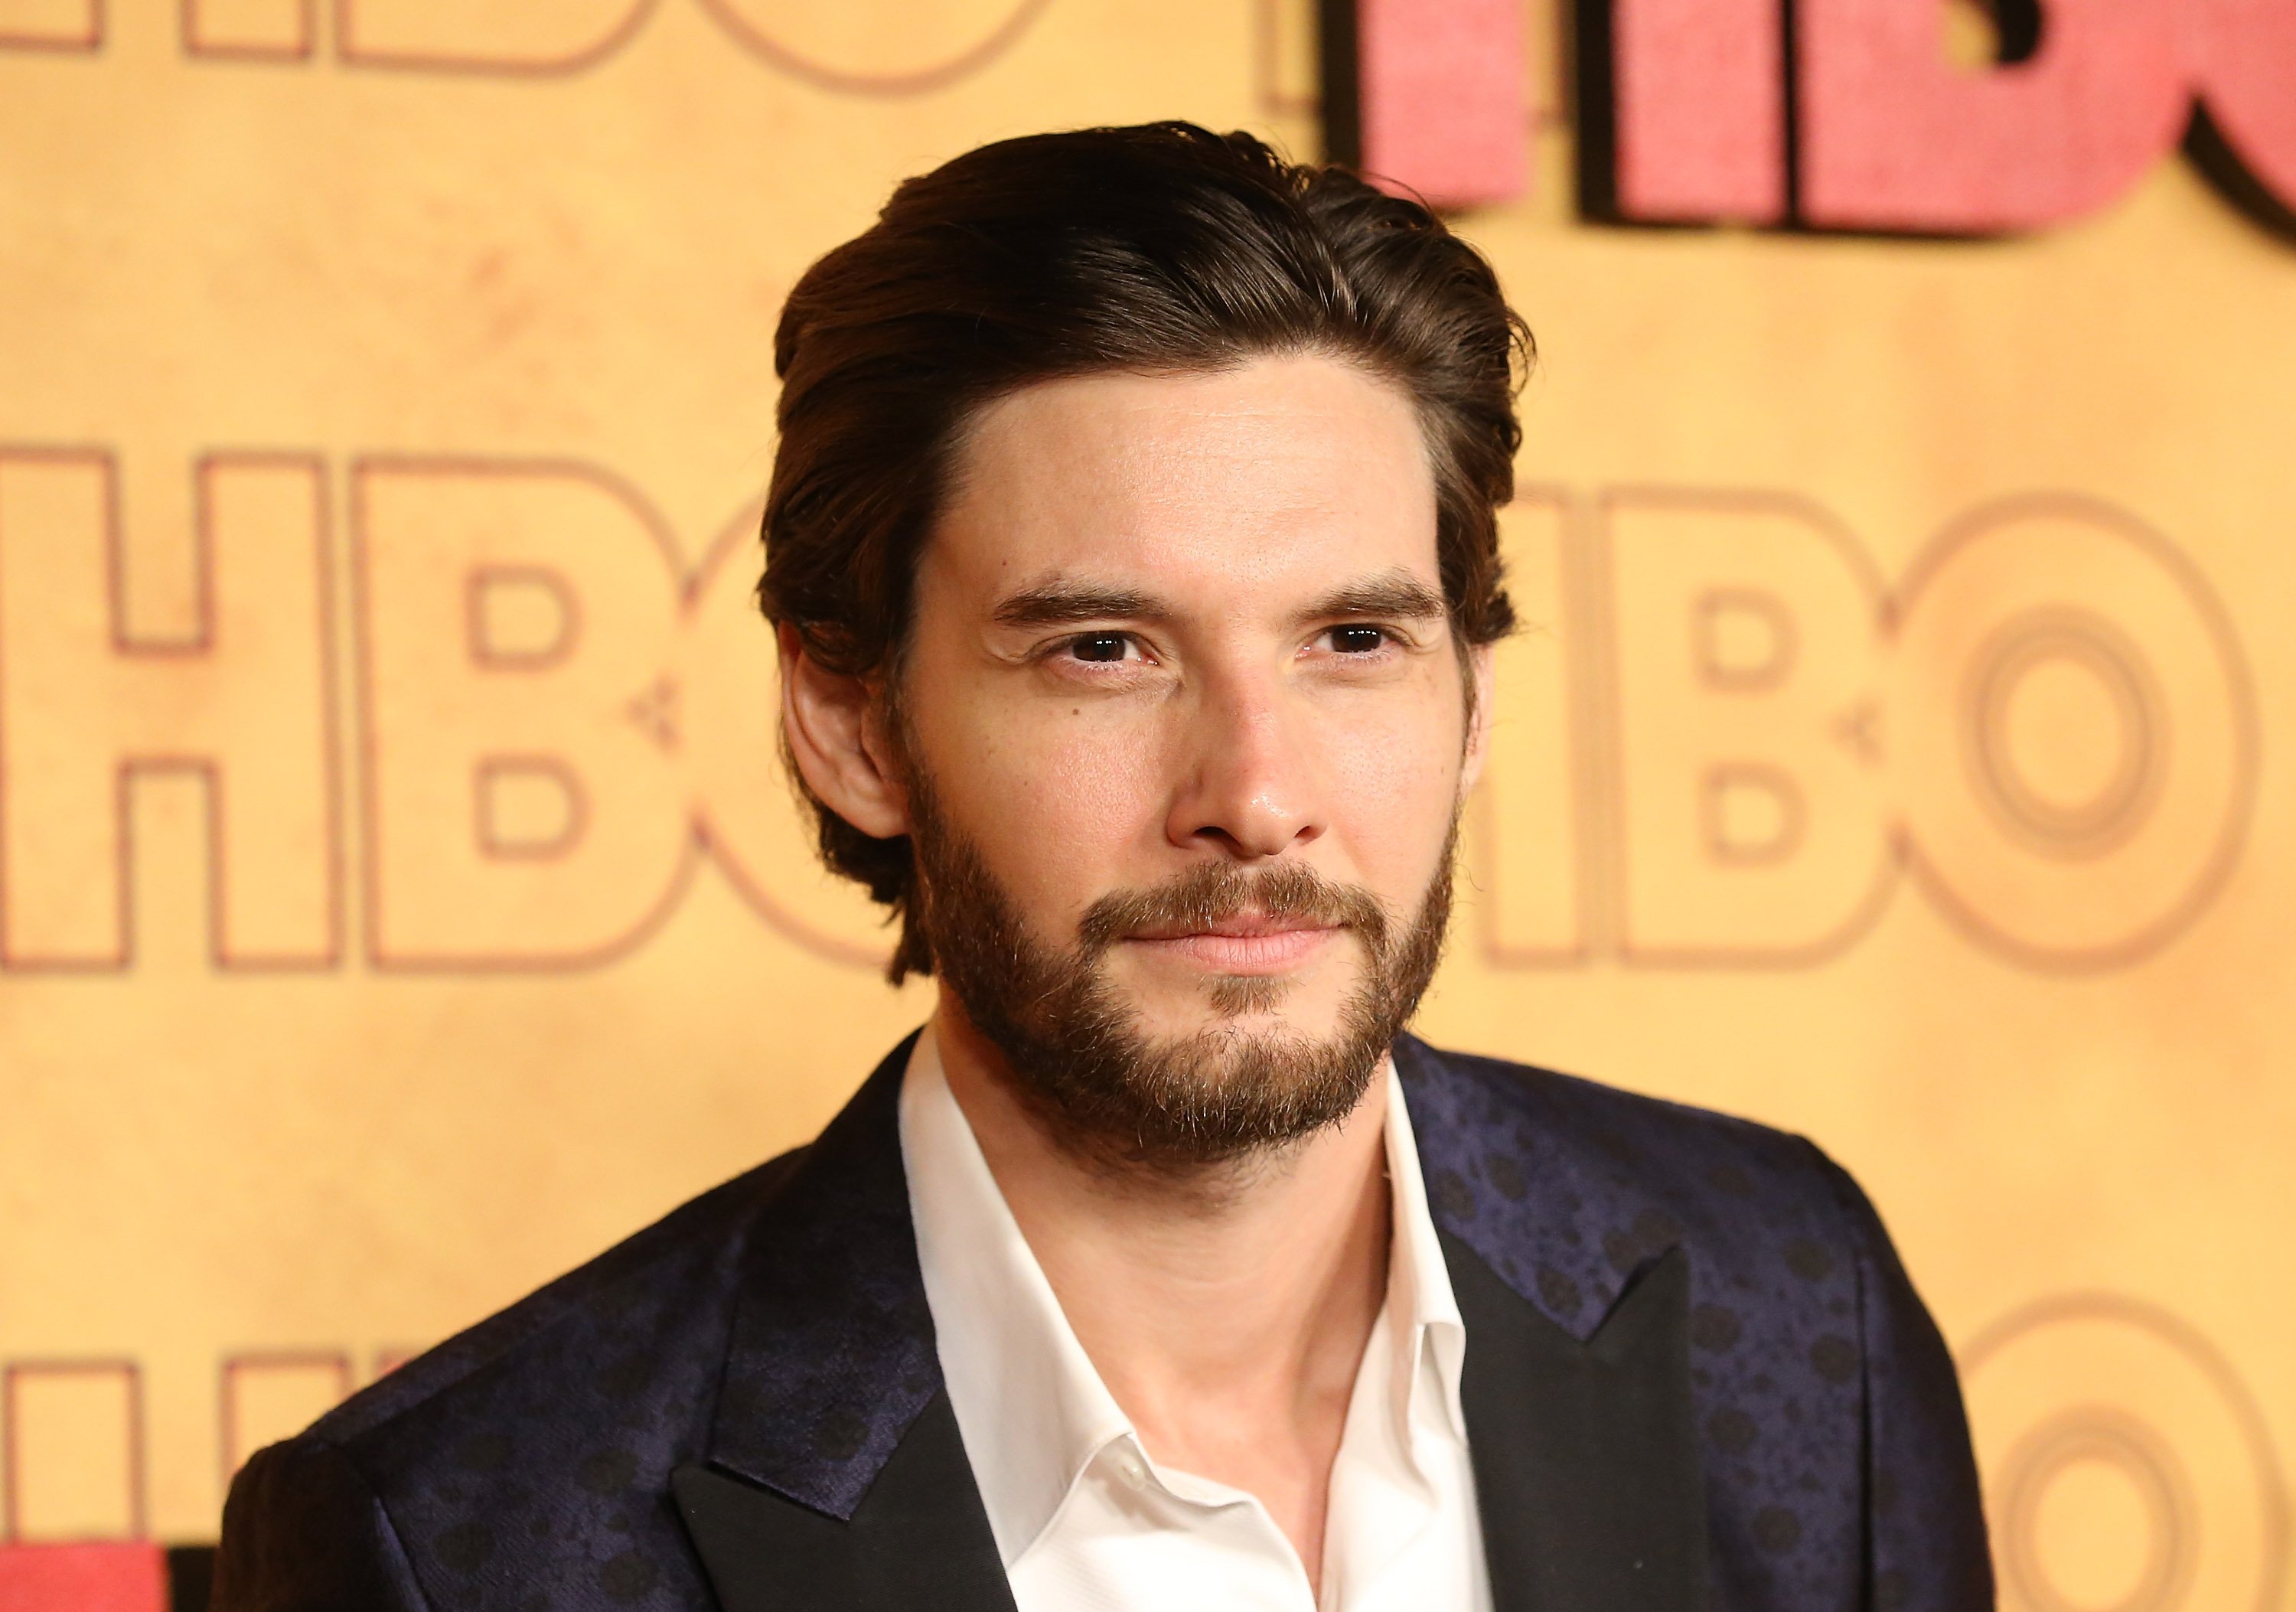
column 1580, row 1419
column 1548, row 1202
column 834, row 1459
column 831, row 1356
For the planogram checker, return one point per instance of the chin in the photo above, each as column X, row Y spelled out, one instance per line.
column 1288, row 1007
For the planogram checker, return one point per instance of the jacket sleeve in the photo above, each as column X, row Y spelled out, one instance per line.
column 1924, row 1521
column 302, row 1532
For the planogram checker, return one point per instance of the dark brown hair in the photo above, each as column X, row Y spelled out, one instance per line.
column 1163, row 248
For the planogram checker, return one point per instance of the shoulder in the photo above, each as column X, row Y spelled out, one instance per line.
column 1606, row 1136
column 1595, row 1182
column 533, row 1436
column 1613, row 1119
column 1818, row 1384
column 656, row 1291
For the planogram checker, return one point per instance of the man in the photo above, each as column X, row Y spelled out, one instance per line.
column 1132, row 550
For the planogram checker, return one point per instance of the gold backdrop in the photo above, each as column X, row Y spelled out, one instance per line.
column 399, row 904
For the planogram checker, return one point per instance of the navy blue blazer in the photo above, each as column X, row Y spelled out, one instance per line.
column 1696, row 1377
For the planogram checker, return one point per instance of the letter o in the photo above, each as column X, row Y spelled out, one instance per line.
column 2088, row 833
column 2128, row 1466
column 876, row 50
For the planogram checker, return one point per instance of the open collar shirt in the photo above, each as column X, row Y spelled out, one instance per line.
column 1084, row 1519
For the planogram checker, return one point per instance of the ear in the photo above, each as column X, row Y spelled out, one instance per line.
column 1479, row 719
column 837, row 740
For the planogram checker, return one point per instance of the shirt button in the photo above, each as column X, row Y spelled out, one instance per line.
column 1130, row 1469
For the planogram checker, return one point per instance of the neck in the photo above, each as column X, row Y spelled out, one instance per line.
column 1227, row 1310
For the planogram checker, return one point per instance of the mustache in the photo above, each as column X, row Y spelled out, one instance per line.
column 1290, row 892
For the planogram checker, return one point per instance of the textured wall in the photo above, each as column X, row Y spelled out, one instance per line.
column 398, row 903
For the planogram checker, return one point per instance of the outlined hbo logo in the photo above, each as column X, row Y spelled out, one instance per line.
column 851, row 47
column 1722, row 741
column 1737, row 736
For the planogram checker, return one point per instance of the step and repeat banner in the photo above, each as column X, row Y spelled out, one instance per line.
column 399, row 900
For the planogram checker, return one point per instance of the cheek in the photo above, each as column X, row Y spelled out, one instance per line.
column 1057, row 798
column 1390, row 788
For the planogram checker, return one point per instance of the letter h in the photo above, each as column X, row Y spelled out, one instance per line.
column 235, row 692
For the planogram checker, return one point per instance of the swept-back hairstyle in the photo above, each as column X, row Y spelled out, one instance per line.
column 1163, row 248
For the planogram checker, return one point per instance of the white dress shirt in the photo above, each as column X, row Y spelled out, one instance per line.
column 1084, row 1520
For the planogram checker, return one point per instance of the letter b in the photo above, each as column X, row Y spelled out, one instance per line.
column 524, row 803
column 1752, row 825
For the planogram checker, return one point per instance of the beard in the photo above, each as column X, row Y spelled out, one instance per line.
column 1081, row 1058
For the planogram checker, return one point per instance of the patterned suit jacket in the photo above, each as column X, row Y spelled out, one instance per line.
column 1696, row 1377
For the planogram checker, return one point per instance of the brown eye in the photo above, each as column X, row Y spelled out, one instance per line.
column 1357, row 640
column 1098, row 646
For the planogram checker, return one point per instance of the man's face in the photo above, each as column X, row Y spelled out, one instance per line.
column 1189, row 734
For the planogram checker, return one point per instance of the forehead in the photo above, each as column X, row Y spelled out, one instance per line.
column 1280, row 475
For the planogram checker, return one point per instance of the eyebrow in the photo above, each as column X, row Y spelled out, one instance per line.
column 1395, row 596
column 1056, row 604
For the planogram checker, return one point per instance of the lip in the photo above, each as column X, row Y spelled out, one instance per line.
column 1242, row 945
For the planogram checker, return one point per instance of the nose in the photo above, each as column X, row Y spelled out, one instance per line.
column 1246, row 785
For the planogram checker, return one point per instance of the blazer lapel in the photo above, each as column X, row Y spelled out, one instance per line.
column 1576, row 1295
column 834, row 1474
column 919, row 1541
column 1586, row 1471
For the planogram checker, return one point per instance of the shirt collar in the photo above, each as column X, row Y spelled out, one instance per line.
column 1032, row 1407
column 1419, row 1297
